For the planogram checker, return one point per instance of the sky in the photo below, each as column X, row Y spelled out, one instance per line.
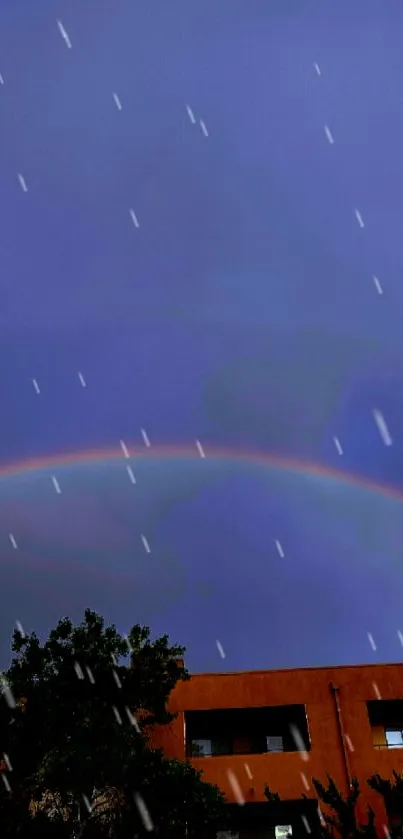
column 201, row 211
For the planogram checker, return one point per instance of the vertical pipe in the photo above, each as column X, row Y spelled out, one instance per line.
column 336, row 697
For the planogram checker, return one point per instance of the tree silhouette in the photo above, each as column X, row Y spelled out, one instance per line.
column 341, row 816
column 75, row 719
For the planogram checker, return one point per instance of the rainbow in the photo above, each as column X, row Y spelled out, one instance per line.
column 265, row 460
column 53, row 463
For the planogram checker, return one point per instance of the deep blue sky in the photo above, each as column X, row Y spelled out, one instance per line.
column 242, row 311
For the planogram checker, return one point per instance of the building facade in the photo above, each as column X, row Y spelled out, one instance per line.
column 283, row 728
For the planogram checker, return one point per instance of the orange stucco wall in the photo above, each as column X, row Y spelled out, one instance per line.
column 309, row 686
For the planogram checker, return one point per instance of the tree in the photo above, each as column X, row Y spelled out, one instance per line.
column 341, row 817
column 75, row 726
column 392, row 794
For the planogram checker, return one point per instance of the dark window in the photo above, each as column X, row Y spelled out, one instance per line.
column 386, row 721
column 246, row 731
column 261, row 820
column 207, row 747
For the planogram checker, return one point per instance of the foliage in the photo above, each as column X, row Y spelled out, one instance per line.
column 75, row 728
column 391, row 791
column 341, row 817
column 272, row 797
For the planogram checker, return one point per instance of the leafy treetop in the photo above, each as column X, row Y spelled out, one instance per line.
column 74, row 727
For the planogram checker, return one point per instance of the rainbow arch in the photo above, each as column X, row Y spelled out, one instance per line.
column 265, row 460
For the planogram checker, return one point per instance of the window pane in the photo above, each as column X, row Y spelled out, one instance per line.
column 201, row 748
column 394, row 737
column 220, row 747
column 274, row 744
column 281, row 831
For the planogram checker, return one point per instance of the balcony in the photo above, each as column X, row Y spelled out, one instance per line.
column 246, row 731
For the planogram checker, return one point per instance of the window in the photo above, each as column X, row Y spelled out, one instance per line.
column 259, row 730
column 274, row 744
column 386, row 721
column 201, row 748
column 291, row 819
column 282, row 831
column 394, row 737
column 207, row 747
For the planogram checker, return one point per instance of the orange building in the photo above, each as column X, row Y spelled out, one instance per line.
column 283, row 727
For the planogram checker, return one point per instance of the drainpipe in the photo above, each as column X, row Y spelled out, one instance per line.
column 336, row 697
